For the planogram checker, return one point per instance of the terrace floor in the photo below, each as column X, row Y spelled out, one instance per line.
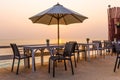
column 97, row 69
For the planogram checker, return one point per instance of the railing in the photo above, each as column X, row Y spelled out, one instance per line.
column 7, row 57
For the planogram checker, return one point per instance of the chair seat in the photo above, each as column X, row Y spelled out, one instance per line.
column 22, row 56
column 99, row 48
column 80, row 50
column 59, row 58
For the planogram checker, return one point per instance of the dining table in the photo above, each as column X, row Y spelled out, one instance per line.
column 34, row 48
column 88, row 48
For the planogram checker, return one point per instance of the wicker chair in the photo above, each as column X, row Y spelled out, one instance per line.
column 99, row 47
column 107, row 46
column 69, row 47
column 117, row 62
column 18, row 56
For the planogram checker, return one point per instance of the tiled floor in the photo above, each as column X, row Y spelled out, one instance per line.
column 97, row 69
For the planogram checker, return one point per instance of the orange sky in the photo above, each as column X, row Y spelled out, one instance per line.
column 14, row 22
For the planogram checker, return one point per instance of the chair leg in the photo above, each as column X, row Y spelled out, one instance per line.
column 92, row 52
column 100, row 52
column 104, row 54
column 72, row 67
column 95, row 54
column 49, row 66
column 65, row 65
column 115, row 64
column 118, row 64
column 13, row 64
column 78, row 54
column 56, row 62
column 85, row 56
column 18, row 66
column 75, row 61
column 28, row 62
column 54, row 68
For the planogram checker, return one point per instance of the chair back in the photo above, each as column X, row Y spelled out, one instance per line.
column 75, row 46
column 107, row 44
column 69, row 49
column 98, row 43
column 117, row 48
column 15, row 50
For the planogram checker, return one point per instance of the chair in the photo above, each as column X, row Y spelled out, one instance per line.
column 75, row 46
column 117, row 62
column 18, row 56
column 81, row 49
column 97, row 47
column 69, row 47
column 107, row 46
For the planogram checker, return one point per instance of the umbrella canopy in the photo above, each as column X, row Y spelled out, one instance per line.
column 58, row 15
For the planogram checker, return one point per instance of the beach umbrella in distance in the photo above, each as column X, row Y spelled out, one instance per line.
column 58, row 14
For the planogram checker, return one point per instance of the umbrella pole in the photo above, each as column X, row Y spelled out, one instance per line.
column 58, row 32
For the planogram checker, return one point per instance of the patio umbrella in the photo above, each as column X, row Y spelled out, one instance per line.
column 58, row 14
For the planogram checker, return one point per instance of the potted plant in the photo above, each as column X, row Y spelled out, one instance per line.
column 47, row 42
column 87, row 39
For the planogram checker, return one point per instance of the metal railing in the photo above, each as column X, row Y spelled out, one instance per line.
column 9, row 56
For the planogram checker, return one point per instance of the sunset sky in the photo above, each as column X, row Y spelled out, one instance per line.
column 14, row 22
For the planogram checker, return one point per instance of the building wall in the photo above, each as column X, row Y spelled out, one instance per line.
column 113, row 19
